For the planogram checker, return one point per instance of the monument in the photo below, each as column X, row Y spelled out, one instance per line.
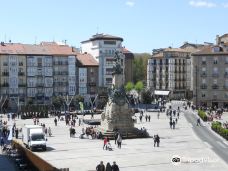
column 117, row 115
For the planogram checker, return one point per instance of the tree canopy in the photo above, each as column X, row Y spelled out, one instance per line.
column 140, row 66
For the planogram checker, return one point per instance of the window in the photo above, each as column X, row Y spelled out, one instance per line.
column 109, row 42
column 203, row 95
column 215, row 60
column 226, row 60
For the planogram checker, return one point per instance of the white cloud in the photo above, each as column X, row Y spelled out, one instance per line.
column 130, row 3
column 202, row 4
column 225, row 5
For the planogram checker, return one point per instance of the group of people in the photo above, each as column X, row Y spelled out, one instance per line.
column 173, row 115
column 147, row 117
column 108, row 167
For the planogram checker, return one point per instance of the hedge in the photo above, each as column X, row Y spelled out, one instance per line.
column 203, row 115
column 217, row 127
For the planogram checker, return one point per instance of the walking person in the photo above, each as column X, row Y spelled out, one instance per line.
column 140, row 118
column 173, row 124
column 115, row 167
column 116, row 136
column 55, row 121
column 170, row 124
column 158, row 116
column 100, row 167
column 119, row 141
column 49, row 132
column 105, row 143
column 108, row 167
column 198, row 122
column 2, row 142
column 158, row 140
column 155, row 140
column 149, row 118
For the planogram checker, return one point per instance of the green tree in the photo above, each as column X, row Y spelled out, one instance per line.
column 139, row 86
column 57, row 102
column 129, row 86
column 140, row 66
column 147, row 97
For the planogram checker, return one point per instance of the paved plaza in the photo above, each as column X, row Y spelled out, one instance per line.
column 135, row 154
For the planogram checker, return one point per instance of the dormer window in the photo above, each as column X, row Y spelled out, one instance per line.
column 216, row 49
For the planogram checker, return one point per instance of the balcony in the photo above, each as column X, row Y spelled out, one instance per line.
column 40, row 84
column 5, row 85
column 92, row 84
column 21, row 85
column 5, row 73
column 215, row 86
column 226, row 75
column 215, row 75
column 204, row 63
column 21, row 73
column 204, row 74
column 203, row 86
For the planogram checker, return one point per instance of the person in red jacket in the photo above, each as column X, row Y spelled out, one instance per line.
column 105, row 142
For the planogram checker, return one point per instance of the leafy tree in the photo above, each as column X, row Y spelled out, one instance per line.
column 57, row 102
column 146, row 97
column 140, row 66
column 139, row 86
column 129, row 86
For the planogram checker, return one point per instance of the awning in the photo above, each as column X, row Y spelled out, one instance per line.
column 162, row 93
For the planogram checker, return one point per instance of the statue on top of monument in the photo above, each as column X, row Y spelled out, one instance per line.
column 117, row 69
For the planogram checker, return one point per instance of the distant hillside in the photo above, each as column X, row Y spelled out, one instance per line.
column 140, row 66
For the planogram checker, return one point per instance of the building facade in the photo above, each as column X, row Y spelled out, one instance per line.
column 168, row 70
column 210, row 69
column 36, row 73
column 102, row 47
column 128, row 69
column 88, row 77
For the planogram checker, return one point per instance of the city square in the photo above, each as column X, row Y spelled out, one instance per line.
column 114, row 86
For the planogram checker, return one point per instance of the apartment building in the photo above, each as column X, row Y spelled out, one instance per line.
column 210, row 69
column 88, row 77
column 102, row 47
column 169, row 70
column 36, row 73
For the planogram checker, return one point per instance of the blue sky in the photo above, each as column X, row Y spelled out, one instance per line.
column 144, row 24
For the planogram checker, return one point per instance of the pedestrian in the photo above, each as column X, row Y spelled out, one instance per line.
column 55, row 121
column 37, row 121
column 176, row 120
column 92, row 117
column 158, row 140
column 115, row 167
column 2, row 142
column 105, row 143
column 116, row 136
column 155, row 140
column 170, row 124
column 178, row 115
column 49, row 132
column 198, row 122
column 45, row 131
column 16, row 133
column 140, row 118
column 149, row 118
column 100, row 167
column 146, row 117
column 108, row 167
column 119, row 141
column 173, row 124
column 158, row 115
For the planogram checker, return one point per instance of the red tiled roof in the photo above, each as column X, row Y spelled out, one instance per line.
column 125, row 50
column 207, row 50
column 41, row 49
column 87, row 60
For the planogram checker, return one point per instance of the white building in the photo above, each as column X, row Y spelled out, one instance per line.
column 102, row 47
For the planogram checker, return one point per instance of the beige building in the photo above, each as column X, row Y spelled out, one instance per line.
column 36, row 73
column 210, row 73
column 170, row 70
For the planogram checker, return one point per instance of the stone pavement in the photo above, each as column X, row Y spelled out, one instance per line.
column 136, row 154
